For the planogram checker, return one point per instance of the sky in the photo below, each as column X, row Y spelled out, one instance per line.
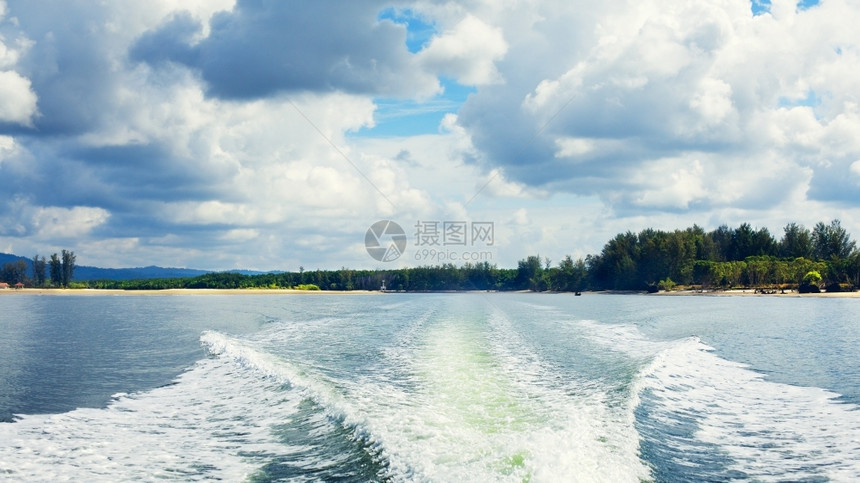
column 272, row 135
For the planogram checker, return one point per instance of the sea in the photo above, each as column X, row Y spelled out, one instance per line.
column 477, row 387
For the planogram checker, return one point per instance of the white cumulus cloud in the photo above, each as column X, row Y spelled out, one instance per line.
column 241, row 134
column 60, row 222
column 467, row 52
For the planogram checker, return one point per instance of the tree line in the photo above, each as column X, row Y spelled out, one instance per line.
column 61, row 269
column 727, row 257
column 649, row 260
column 448, row 277
column 824, row 256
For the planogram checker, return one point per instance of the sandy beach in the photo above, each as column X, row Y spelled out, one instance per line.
column 177, row 291
column 753, row 293
column 206, row 291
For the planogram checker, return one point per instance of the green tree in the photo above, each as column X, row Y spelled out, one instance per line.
column 721, row 243
column 652, row 256
column 840, row 270
column 782, row 272
column 666, row 284
column 14, row 272
column 796, row 242
column 68, row 267
column 733, row 274
column 831, row 241
column 747, row 242
column 617, row 265
column 853, row 268
column 812, row 278
column 683, row 249
column 799, row 267
column 345, row 276
column 703, row 274
column 530, row 274
column 56, row 268
column 756, row 270
column 39, row 268
column 742, row 242
column 570, row 276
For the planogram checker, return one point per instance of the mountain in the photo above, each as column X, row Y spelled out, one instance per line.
column 96, row 273
column 7, row 258
column 83, row 272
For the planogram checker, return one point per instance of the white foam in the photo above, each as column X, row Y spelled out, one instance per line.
column 310, row 384
column 203, row 427
column 622, row 338
column 594, row 439
column 770, row 431
column 464, row 399
column 482, row 407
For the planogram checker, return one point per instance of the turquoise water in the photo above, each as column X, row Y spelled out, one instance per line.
column 429, row 387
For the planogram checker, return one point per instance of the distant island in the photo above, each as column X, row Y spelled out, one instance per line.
column 824, row 258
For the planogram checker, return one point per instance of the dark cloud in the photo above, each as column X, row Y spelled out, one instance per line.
column 66, row 63
column 835, row 184
column 503, row 131
column 261, row 48
column 511, row 136
column 635, row 126
column 143, row 221
column 172, row 42
column 132, row 182
column 150, row 172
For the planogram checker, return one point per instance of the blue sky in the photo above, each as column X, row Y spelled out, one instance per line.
column 410, row 117
column 397, row 117
column 226, row 134
column 419, row 30
column 763, row 6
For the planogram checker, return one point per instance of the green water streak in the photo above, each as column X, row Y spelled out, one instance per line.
column 472, row 394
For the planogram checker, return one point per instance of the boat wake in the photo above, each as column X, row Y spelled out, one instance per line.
column 451, row 388
column 708, row 417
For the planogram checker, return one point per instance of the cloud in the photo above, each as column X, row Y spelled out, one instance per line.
column 74, row 55
column 60, row 222
column 855, row 168
column 242, row 134
column 17, row 99
column 689, row 83
column 7, row 147
column 468, row 52
column 259, row 49
column 21, row 218
column 670, row 184
column 170, row 167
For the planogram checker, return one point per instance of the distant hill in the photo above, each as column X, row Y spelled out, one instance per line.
column 83, row 272
column 95, row 273
column 6, row 258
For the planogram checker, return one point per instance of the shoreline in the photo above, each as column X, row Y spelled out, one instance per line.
column 176, row 291
column 752, row 293
column 282, row 291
